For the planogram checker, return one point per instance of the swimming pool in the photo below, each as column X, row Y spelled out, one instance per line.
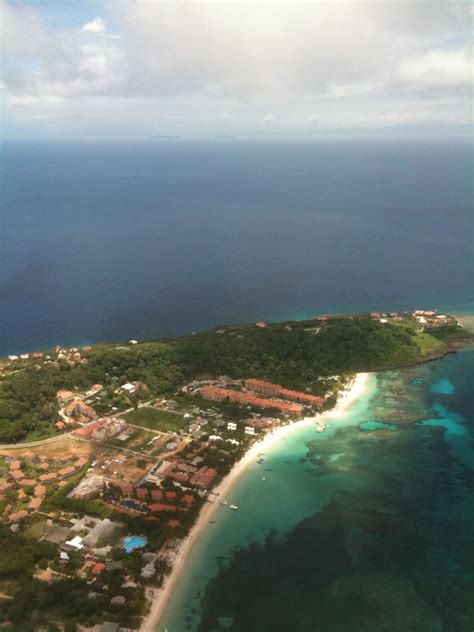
column 133, row 542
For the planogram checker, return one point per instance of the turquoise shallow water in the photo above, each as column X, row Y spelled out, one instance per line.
column 364, row 527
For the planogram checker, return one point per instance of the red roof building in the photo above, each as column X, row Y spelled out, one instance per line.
column 161, row 507
column 47, row 478
column 188, row 500
column 259, row 386
column 27, row 482
column 204, row 477
column 35, row 503
column 173, row 523
column 312, row 400
column 98, row 568
column 19, row 515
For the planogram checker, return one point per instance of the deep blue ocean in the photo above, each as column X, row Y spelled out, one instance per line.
column 112, row 240
column 364, row 528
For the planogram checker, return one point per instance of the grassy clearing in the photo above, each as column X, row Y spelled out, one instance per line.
column 427, row 343
column 161, row 420
column 36, row 531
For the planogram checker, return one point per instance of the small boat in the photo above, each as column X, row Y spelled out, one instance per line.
column 263, row 478
column 224, row 502
column 233, row 507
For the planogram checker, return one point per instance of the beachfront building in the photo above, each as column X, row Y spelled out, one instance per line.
column 275, row 390
column 243, row 398
column 266, row 388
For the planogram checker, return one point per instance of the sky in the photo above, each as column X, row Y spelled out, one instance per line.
column 141, row 68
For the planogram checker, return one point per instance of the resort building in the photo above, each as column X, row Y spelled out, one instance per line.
column 275, row 390
column 240, row 397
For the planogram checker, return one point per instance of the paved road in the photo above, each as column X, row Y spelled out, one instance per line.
column 34, row 444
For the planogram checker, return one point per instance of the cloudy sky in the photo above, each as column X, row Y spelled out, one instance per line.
column 144, row 67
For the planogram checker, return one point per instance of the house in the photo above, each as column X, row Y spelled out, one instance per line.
column 64, row 397
column 249, row 430
column 231, row 426
column 67, row 471
column 98, row 568
column 173, row 523
column 261, row 324
column 19, row 515
column 75, row 544
column 27, row 482
column 188, row 500
column 47, row 478
column 35, row 503
column 129, row 388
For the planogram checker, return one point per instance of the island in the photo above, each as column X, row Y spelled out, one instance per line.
column 114, row 456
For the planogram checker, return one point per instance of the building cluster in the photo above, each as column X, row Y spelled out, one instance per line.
column 431, row 318
column 28, row 481
column 276, row 396
column 102, row 429
column 71, row 356
column 275, row 390
column 244, row 398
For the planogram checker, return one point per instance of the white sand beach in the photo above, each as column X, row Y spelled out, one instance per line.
column 161, row 597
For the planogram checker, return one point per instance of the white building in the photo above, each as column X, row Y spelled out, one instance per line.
column 75, row 544
column 231, row 426
column 249, row 430
column 129, row 388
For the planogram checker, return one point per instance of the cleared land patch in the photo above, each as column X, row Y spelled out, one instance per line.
column 427, row 343
column 156, row 419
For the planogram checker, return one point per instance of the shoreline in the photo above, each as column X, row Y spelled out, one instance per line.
column 162, row 596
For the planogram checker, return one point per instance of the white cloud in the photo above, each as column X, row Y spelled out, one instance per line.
column 96, row 26
column 438, row 68
column 205, row 64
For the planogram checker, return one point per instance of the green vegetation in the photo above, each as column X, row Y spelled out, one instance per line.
column 427, row 343
column 156, row 419
column 294, row 355
column 34, row 604
column 297, row 358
